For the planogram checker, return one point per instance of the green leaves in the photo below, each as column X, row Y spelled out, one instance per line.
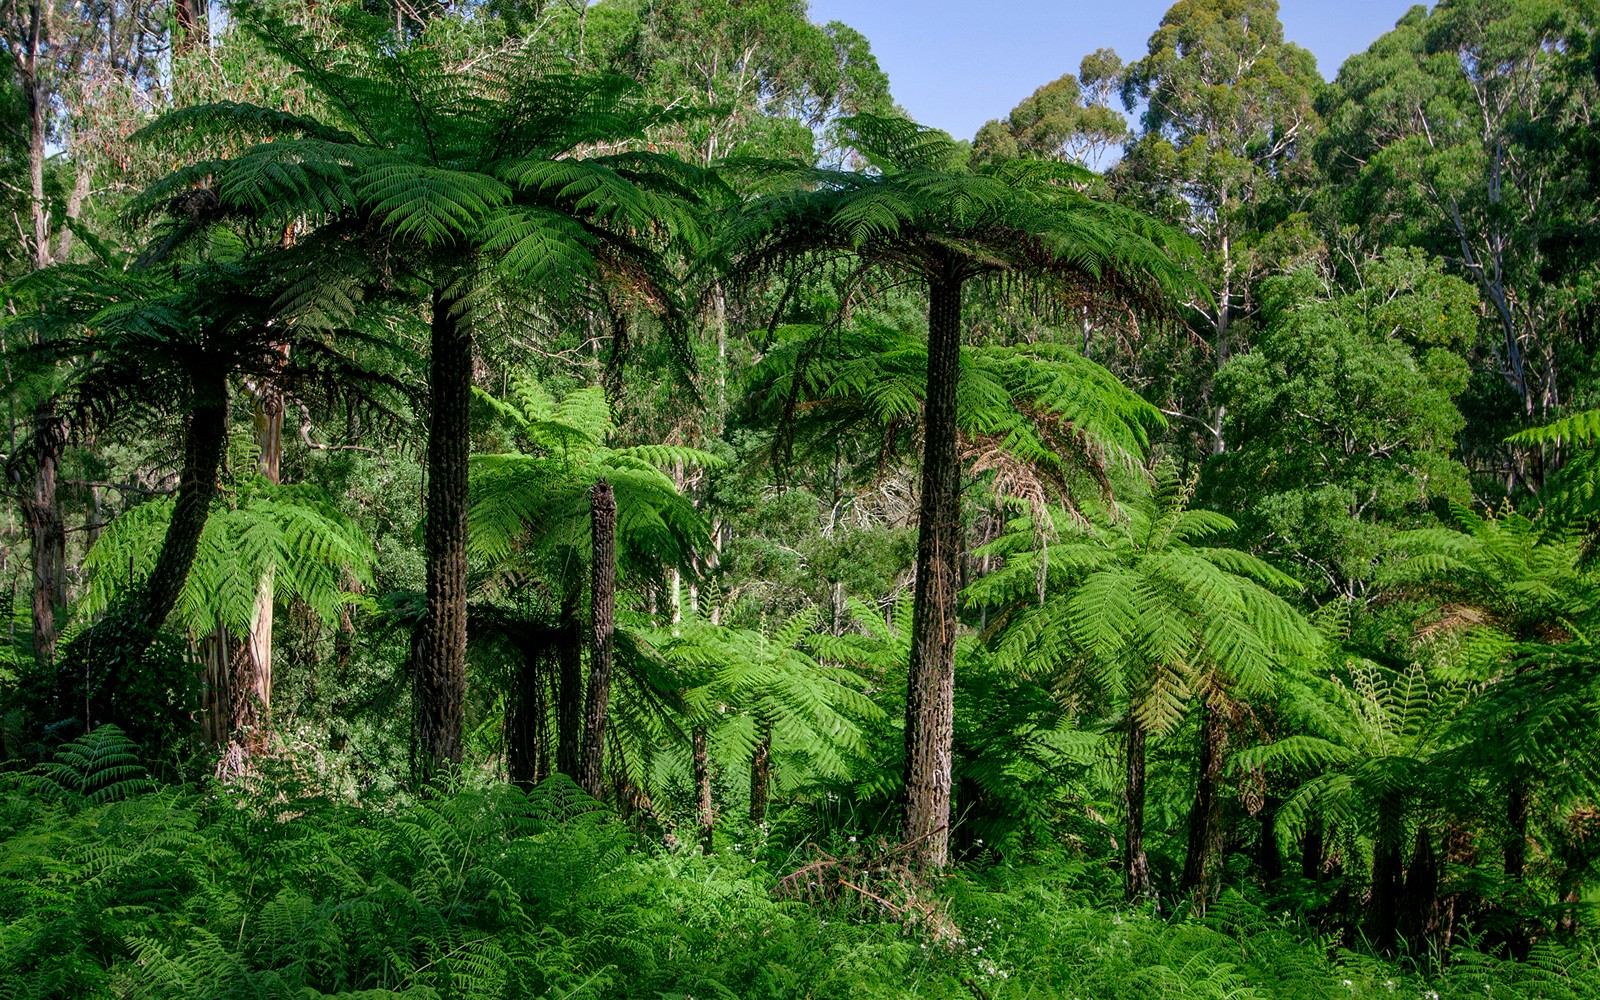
column 1129, row 604
column 293, row 534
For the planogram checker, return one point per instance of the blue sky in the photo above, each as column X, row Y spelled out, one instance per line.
column 955, row 64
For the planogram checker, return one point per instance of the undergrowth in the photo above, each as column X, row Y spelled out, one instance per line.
column 113, row 886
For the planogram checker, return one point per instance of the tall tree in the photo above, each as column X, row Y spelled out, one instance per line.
column 1134, row 603
column 1221, row 151
column 1443, row 134
column 923, row 215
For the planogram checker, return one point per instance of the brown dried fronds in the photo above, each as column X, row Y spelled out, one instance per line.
column 874, row 880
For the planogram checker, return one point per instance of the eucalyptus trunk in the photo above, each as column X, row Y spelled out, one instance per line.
column 1135, row 864
column 439, row 670
column 602, row 601
column 269, row 438
column 930, row 682
column 1205, row 816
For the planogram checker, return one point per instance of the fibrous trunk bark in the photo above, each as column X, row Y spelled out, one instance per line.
column 439, row 670
column 602, row 602
column 527, row 757
column 930, row 683
column 1205, row 816
column 1420, row 914
column 1135, row 865
column 569, row 689
column 704, row 813
column 1388, row 881
column 116, row 644
column 47, row 534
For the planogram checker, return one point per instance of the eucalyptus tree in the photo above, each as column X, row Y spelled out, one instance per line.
column 1443, row 134
column 1228, row 119
column 450, row 171
column 923, row 215
column 1343, row 417
column 1132, row 606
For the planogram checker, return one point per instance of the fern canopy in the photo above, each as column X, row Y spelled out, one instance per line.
column 1133, row 605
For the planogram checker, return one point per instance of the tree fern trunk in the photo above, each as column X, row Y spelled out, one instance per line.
column 439, row 671
column 704, row 812
column 930, row 683
column 761, row 773
column 569, row 689
column 1388, row 881
column 526, row 739
column 1516, row 849
column 104, row 656
column 46, row 534
column 1205, row 816
column 603, row 580
column 1420, row 907
column 1269, row 853
column 1311, row 849
column 1136, row 866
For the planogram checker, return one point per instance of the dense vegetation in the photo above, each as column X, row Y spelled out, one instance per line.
column 565, row 499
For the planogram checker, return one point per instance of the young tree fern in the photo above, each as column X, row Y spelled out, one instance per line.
column 452, row 172
column 767, row 707
column 531, row 521
column 1132, row 606
column 1498, row 591
column 921, row 214
column 294, row 533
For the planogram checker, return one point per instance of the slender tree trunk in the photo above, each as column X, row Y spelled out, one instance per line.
column 1136, row 866
column 216, row 686
column 1311, row 849
column 36, row 93
column 602, row 600
column 251, row 659
column 569, row 689
column 187, row 26
column 1205, row 816
column 106, row 653
column 761, row 773
column 1516, row 850
column 527, row 757
column 704, row 812
column 930, row 683
column 439, row 673
column 1388, row 881
column 46, row 533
